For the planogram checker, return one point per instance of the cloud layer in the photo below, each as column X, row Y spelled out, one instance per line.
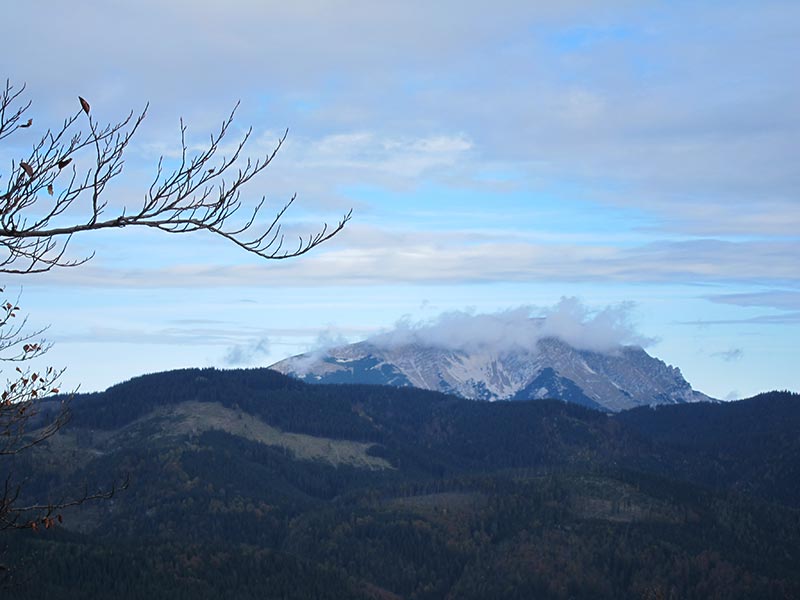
column 687, row 111
column 370, row 256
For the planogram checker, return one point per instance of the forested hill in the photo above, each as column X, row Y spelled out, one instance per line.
column 127, row 401
column 750, row 445
column 706, row 425
column 448, row 433
column 742, row 445
column 250, row 484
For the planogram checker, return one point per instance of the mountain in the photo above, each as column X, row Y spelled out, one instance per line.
column 616, row 380
column 250, row 484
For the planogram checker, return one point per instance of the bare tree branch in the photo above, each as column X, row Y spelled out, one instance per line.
column 47, row 199
column 198, row 195
column 28, row 416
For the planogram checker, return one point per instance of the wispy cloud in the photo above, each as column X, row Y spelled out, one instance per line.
column 731, row 355
column 444, row 257
column 780, row 299
column 790, row 318
column 367, row 157
column 247, row 353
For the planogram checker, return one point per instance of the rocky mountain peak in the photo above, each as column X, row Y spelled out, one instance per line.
column 617, row 379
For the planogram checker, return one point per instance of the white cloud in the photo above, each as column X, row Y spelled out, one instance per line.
column 521, row 328
column 326, row 339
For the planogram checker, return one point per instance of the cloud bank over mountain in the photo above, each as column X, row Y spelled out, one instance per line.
column 567, row 352
column 521, row 328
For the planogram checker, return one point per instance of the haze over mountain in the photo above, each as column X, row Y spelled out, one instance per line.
column 569, row 354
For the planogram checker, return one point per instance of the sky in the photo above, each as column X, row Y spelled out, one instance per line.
column 633, row 157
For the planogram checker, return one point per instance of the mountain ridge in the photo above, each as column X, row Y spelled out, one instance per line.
column 622, row 378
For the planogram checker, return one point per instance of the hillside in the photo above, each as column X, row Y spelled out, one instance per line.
column 250, row 484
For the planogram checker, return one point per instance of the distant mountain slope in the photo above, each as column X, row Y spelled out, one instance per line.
column 618, row 380
column 251, row 484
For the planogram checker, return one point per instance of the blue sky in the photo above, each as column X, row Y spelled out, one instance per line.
column 618, row 152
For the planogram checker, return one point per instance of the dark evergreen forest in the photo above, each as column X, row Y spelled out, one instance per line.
column 451, row 499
